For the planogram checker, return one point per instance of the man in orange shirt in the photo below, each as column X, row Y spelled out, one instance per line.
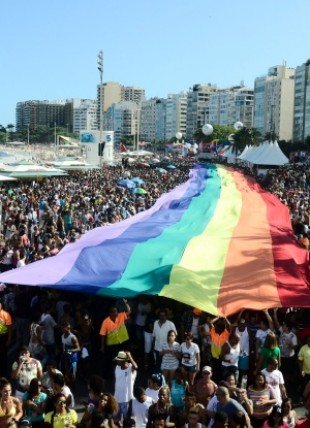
column 5, row 338
column 114, row 336
column 219, row 334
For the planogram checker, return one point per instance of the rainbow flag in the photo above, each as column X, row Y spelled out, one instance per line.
column 217, row 242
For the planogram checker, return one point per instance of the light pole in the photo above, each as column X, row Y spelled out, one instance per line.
column 100, row 68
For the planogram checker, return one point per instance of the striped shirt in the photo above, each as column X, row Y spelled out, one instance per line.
column 170, row 361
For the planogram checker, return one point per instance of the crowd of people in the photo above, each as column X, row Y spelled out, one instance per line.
column 148, row 362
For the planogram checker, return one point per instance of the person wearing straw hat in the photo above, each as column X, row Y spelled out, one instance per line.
column 125, row 376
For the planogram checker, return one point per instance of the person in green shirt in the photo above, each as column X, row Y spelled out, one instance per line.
column 269, row 350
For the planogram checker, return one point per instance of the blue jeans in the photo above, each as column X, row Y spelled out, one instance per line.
column 122, row 411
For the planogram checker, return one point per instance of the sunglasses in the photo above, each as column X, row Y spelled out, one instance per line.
column 61, row 402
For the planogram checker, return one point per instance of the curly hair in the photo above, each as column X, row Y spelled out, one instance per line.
column 111, row 407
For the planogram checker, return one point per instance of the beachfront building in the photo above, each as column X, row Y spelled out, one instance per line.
column 113, row 93
column 176, row 113
column 133, row 93
column 301, row 120
column 197, row 104
column 230, row 105
column 274, row 102
column 84, row 113
column 122, row 118
column 45, row 114
column 148, row 120
column 160, row 127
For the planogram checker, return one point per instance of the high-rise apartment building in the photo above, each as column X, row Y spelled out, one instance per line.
column 147, row 131
column 108, row 94
column 301, row 121
column 160, row 131
column 176, row 113
column 274, row 102
column 34, row 113
column 112, row 93
column 197, row 103
column 122, row 118
column 133, row 93
column 84, row 113
column 227, row 106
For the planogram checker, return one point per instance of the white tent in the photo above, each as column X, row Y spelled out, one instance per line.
column 241, row 157
column 253, row 152
column 73, row 164
column 267, row 153
column 28, row 169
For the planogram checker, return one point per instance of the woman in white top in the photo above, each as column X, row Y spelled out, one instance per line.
column 171, row 352
column 190, row 358
column 230, row 356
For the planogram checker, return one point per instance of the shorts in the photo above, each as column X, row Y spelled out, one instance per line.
column 190, row 369
column 173, row 367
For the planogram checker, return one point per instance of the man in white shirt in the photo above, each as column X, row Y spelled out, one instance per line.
column 274, row 378
column 139, row 407
column 125, row 376
column 160, row 333
column 48, row 325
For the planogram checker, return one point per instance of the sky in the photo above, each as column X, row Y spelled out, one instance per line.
column 49, row 48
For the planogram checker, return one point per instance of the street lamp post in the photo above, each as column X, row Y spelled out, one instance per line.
column 100, row 68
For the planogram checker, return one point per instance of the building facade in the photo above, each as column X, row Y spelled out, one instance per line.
column 227, row 106
column 148, row 120
column 84, row 112
column 197, row 104
column 46, row 114
column 176, row 115
column 274, row 102
column 122, row 118
column 301, row 120
column 113, row 93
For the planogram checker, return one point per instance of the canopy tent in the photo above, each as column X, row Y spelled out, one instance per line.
column 241, row 157
column 28, row 169
column 6, row 178
column 267, row 153
column 217, row 242
column 73, row 164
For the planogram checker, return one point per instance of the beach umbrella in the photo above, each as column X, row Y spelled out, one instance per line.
column 140, row 191
column 161, row 170
column 144, row 164
column 171, row 167
column 138, row 181
column 127, row 183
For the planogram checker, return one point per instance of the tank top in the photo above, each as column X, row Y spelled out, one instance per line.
column 177, row 392
column 231, row 359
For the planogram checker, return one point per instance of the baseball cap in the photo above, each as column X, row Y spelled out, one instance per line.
column 206, row 369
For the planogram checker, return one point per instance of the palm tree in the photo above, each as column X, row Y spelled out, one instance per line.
column 271, row 136
column 245, row 136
